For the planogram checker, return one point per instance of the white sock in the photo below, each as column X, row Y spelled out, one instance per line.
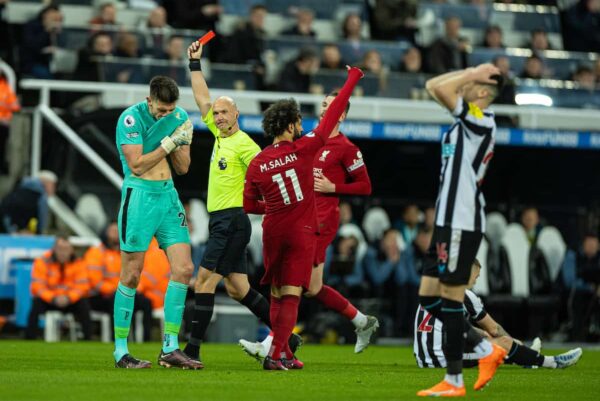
column 266, row 343
column 484, row 348
column 549, row 362
column 455, row 380
column 359, row 321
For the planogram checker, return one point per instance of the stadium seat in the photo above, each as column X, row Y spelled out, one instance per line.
column 240, row 7
column 53, row 321
column 350, row 229
column 198, row 216
column 89, row 209
column 375, row 222
column 137, row 334
column 64, row 61
column 481, row 286
column 231, row 321
column 322, row 9
column 495, row 228
column 256, row 243
column 105, row 325
column 553, row 247
column 471, row 17
column 517, row 248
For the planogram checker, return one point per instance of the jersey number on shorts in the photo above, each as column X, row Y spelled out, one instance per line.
column 291, row 174
column 183, row 219
column 424, row 326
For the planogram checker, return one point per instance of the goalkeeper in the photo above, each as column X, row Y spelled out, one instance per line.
column 149, row 133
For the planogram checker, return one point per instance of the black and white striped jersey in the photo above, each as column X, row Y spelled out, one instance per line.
column 467, row 148
column 427, row 345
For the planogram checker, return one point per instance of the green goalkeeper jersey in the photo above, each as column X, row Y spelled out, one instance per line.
column 136, row 126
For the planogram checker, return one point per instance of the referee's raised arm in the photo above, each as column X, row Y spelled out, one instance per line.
column 199, row 86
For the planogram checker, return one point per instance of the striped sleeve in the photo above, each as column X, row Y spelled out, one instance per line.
column 476, row 121
column 474, row 306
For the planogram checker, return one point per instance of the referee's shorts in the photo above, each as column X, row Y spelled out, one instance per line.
column 229, row 234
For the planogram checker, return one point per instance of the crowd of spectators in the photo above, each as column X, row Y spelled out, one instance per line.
column 157, row 37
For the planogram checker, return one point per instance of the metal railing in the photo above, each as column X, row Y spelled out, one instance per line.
column 9, row 73
column 373, row 109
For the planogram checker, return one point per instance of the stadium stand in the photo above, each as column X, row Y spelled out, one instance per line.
column 549, row 125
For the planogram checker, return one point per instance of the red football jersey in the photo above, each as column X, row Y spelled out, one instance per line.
column 342, row 163
column 282, row 175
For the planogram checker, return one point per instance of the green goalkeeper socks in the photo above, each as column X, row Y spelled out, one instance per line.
column 174, row 305
column 123, row 311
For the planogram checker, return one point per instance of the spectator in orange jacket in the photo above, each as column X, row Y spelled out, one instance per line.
column 155, row 276
column 59, row 282
column 9, row 104
column 103, row 264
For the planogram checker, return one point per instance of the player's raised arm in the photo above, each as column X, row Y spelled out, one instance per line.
column 445, row 89
column 199, row 86
column 337, row 107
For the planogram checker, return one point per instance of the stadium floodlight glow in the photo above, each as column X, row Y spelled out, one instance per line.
column 533, row 99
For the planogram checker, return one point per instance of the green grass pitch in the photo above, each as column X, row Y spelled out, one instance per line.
column 84, row 371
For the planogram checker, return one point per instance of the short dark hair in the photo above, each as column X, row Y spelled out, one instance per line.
column 164, row 89
column 583, row 68
column 477, row 263
column 495, row 89
column 258, row 7
column 537, row 31
column 334, row 94
column 50, row 7
column 279, row 116
column 306, row 53
column 92, row 39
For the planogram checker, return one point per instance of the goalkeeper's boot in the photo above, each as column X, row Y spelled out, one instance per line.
column 129, row 362
column 177, row 359
column 443, row 389
column 488, row 366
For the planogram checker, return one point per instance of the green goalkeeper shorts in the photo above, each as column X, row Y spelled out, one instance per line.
column 151, row 209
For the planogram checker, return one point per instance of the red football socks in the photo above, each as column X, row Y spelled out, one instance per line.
column 283, row 324
column 274, row 310
column 336, row 301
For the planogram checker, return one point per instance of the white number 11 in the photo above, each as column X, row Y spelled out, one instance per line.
column 295, row 184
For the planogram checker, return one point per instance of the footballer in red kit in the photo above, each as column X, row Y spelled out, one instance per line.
column 280, row 184
column 339, row 169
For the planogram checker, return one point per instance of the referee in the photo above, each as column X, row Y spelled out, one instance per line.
column 229, row 227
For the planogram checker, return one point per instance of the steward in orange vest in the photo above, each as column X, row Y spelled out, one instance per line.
column 59, row 281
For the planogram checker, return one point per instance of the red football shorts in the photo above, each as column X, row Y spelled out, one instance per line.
column 328, row 227
column 288, row 258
